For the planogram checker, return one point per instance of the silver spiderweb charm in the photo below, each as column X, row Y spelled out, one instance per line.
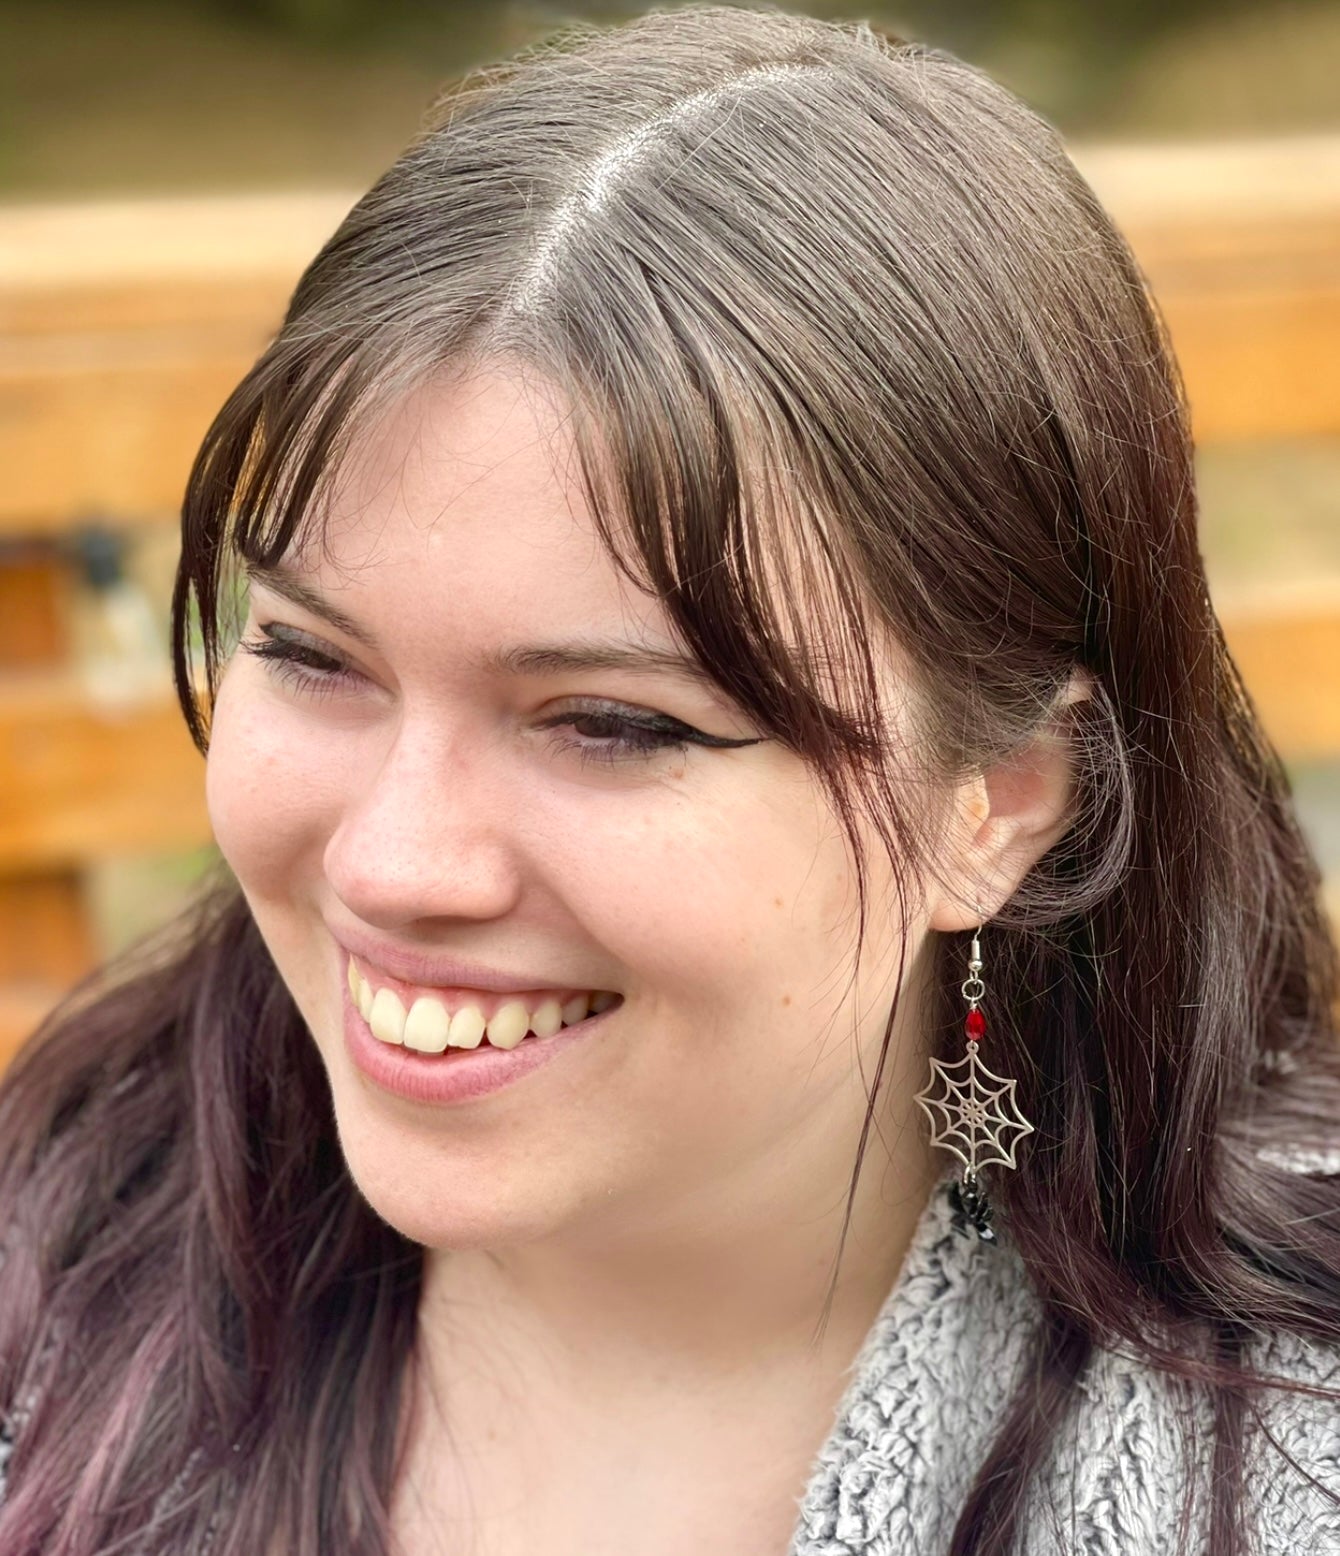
column 973, row 1113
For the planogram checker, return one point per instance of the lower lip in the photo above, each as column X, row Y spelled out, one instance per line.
column 459, row 1074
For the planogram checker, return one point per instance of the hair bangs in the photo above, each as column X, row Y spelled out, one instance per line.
column 261, row 487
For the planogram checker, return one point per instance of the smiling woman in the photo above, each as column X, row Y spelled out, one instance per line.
column 501, row 695
column 727, row 705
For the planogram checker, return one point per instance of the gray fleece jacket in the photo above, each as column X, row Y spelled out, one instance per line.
column 933, row 1380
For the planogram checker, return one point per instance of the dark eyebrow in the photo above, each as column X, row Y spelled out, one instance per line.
column 522, row 659
column 594, row 654
column 288, row 586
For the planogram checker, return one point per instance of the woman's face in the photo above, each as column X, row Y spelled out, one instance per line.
column 444, row 782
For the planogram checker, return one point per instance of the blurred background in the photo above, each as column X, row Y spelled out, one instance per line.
column 168, row 166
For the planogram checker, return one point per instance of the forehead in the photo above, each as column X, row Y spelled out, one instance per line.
column 464, row 500
column 485, row 457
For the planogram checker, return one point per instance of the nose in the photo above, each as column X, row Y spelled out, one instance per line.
column 430, row 834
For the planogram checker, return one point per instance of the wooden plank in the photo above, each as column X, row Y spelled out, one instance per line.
column 244, row 304
column 123, row 327
column 46, row 946
column 83, row 248
column 111, row 437
column 45, row 937
column 1259, row 364
column 80, row 784
column 1289, row 656
column 32, row 611
column 1241, row 245
column 1177, row 184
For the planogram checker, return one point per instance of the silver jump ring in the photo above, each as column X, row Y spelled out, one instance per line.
column 972, row 989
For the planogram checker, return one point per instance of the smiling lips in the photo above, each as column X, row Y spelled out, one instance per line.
column 465, row 1018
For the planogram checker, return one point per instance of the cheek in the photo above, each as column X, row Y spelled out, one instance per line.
column 726, row 900
column 735, row 920
column 271, row 793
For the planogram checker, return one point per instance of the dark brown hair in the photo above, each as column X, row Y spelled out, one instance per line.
column 791, row 274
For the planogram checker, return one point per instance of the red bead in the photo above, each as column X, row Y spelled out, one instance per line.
column 975, row 1025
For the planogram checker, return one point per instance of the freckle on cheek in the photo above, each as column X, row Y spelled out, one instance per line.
column 786, row 999
column 777, row 902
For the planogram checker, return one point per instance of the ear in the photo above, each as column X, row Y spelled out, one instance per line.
column 1004, row 819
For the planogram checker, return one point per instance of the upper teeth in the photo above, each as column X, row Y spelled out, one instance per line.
column 430, row 1027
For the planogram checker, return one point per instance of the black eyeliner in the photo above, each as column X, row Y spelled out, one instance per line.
column 672, row 729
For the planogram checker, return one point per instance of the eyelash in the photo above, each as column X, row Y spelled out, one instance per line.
column 318, row 674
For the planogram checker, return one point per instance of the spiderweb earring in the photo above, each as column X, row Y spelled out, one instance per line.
column 972, row 1111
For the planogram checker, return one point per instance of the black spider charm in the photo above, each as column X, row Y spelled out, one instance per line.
column 972, row 1209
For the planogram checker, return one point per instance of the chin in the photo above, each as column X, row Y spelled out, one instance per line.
column 443, row 1195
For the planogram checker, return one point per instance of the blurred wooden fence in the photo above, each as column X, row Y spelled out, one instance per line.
column 124, row 325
